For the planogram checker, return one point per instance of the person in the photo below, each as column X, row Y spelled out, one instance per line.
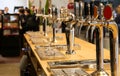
column 1, row 14
column 6, row 9
column 117, row 19
column 31, row 22
column 6, row 14
column 22, row 19
column 22, row 23
column 33, row 10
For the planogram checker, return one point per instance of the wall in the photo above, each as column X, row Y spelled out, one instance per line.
column 12, row 3
column 57, row 3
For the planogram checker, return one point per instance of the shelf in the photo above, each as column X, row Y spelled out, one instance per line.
column 10, row 42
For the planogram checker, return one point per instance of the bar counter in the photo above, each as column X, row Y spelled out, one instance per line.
column 85, row 51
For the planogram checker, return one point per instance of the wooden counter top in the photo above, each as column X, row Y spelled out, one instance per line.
column 86, row 51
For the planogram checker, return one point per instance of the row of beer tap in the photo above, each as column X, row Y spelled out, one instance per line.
column 90, row 19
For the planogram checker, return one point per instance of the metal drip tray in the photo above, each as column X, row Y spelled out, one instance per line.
column 69, row 72
column 39, row 40
column 63, row 64
column 49, row 53
column 85, row 64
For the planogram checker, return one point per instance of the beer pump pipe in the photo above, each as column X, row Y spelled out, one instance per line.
column 99, row 51
column 113, row 33
column 114, row 52
column 70, row 37
column 54, row 18
column 69, row 32
column 45, row 22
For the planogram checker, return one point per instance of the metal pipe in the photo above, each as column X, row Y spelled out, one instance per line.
column 54, row 19
column 92, row 34
column 114, row 48
column 45, row 26
column 99, row 52
column 70, row 37
column 54, row 31
column 44, row 22
column 87, row 33
column 81, row 10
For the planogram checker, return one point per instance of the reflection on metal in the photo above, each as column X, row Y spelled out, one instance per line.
column 99, row 52
column 78, row 9
column 69, row 31
column 113, row 31
column 81, row 9
column 54, row 32
column 45, row 26
column 101, row 11
column 44, row 22
column 54, row 19
column 70, row 37
column 88, row 64
column 92, row 34
column 114, row 48
column 87, row 33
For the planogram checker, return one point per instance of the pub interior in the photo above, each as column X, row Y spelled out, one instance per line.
column 61, row 38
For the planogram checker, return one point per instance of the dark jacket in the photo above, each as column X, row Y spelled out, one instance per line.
column 117, row 19
column 31, row 23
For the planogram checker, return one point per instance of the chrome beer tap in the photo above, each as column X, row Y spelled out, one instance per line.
column 69, row 32
column 70, row 37
column 114, row 52
column 44, row 22
column 99, row 46
column 54, row 18
column 113, row 33
column 99, row 52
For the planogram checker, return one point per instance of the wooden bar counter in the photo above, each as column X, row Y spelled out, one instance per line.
column 85, row 51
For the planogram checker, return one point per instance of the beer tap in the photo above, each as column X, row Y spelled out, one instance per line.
column 44, row 22
column 70, row 37
column 99, row 51
column 69, row 32
column 54, row 18
column 113, row 31
column 99, row 46
column 70, row 22
column 113, row 35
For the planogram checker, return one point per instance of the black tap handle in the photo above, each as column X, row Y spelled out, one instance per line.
column 86, row 9
column 91, row 8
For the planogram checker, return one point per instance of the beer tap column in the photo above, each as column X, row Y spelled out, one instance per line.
column 44, row 26
column 70, row 33
column 44, row 22
column 54, row 31
column 114, row 52
column 54, row 18
column 99, row 52
column 70, row 38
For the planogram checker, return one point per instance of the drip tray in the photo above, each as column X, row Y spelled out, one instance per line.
column 49, row 53
column 85, row 64
column 63, row 64
column 69, row 72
